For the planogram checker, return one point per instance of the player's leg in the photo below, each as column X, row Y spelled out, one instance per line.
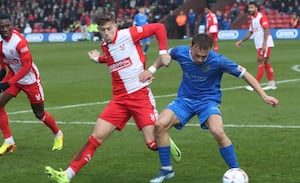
column 35, row 95
column 49, row 121
column 260, row 65
column 146, row 45
column 9, row 144
column 165, row 121
column 215, row 41
column 269, row 71
column 114, row 116
column 260, row 68
column 101, row 131
column 226, row 148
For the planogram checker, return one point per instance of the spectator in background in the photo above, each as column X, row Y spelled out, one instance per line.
column 84, row 23
column 212, row 27
column 192, row 22
column 27, row 29
column 171, row 25
column 294, row 21
column 234, row 12
column 282, row 8
column 157, row 13
column 220, row 20
column 181, row 24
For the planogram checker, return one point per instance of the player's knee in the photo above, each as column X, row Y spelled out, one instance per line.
column 152, row 145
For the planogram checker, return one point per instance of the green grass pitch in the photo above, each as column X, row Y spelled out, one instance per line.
column 76, row 90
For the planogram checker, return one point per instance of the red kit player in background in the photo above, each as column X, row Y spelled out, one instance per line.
column 22, row 75
column 132, row 97
column 212, row 27
column 263, row 41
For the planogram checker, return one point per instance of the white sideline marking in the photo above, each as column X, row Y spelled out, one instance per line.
column 133, row 124
column 160, row 96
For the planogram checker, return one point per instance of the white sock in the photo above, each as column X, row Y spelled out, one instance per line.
column 70, row 173
column 59, row 133
column 271, row 83
column 9, row 140
column 169, row 168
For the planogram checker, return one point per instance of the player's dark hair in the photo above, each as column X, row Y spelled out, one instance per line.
column 103, row 18
column 253, row 3
column 203, row 40
column 4, row 15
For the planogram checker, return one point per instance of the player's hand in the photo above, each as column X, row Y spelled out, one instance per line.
column 93, row 55
column 146, row 76
column 271, row 100
column 238, row 43
column 3, row 86
column 165, row 59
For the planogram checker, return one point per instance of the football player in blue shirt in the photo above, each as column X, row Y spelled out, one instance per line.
column 200, row 94
column 141, row 19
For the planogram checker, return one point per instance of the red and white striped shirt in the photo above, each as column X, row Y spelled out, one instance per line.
column 211, row 23
column 16, row 55
column 125, row 58
column 257, row 26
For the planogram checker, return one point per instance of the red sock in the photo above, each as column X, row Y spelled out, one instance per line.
column 50, row 122
column 270, row 72
column 4, row 126
column 85, row 154
column 260, row 72
column 216, row 47
column 152, row 145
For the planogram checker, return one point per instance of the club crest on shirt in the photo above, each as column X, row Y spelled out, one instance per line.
column 205, row 68
column 122, row 46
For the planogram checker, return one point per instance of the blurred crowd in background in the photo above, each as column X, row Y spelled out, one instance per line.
column 68, row 15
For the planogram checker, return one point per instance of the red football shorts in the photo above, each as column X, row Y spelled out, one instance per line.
column 260, row 53
column 140, row 105
column 33, row 91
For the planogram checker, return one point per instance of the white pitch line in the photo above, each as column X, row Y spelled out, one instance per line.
column 160, row 96
column 133, row 124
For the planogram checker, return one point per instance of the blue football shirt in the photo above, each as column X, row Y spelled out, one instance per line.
column 203, row 82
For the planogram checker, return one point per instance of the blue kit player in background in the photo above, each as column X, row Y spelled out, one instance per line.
column 200, row 94
column 140, row 19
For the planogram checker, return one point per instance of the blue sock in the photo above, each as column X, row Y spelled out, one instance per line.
column 146, row 48
column 164, row 156
column 229, row 156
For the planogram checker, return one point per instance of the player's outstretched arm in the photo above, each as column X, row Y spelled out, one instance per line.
column 240, row 42
column 253, row 82
column 162, row 60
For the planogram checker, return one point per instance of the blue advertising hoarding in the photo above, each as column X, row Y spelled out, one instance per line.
column 223, row 35
column 276, row 34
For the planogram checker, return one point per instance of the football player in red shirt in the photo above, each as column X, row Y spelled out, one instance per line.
column 23, row 75
column 132, row 97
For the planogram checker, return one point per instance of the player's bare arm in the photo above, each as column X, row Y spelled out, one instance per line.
column 254, row 84
column 247, row 36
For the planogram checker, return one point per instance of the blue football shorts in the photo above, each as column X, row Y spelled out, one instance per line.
column 185, row 109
